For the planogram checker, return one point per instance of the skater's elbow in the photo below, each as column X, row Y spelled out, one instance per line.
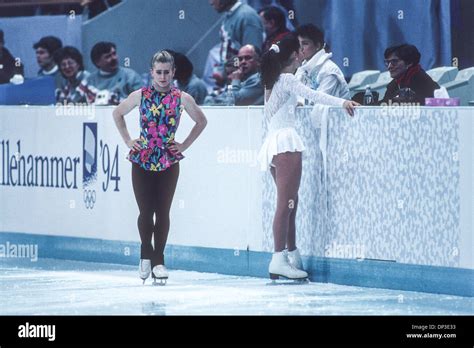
column 117, row 115
column 200, row 119
column 203, row 122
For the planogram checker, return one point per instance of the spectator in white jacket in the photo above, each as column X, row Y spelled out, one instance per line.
column 318, row 71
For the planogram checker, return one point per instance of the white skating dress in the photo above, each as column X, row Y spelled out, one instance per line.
column 280, row 117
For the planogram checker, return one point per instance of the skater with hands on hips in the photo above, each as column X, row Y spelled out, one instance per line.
column 155, row 157
column 282, row 148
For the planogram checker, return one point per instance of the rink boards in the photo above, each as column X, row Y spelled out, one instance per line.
column 391, row 208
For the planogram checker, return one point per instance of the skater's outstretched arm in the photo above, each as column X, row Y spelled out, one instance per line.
column 120, row 111
column 195, row 112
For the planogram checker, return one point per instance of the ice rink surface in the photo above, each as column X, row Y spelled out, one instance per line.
column 61, row 287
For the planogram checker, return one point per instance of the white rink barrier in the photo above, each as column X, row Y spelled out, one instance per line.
column 64, row 174
column 69, row 172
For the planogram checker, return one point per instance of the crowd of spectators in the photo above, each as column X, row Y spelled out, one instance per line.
column 233, row 64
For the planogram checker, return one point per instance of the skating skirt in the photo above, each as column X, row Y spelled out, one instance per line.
column 279, row 141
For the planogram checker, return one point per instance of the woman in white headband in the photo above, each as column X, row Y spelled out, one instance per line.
column 281, row 150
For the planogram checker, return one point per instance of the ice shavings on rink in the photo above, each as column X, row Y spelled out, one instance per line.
column 60, row 287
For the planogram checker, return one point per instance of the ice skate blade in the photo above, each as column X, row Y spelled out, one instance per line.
column 282, row 280
column 160, row 281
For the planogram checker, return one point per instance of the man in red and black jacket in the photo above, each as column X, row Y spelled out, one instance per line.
column 410, row 82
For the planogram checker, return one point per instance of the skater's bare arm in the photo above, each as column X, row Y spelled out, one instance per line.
column 195, row 112
column 120, row 111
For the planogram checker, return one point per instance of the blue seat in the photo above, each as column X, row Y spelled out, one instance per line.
column 379, row 86
column 36, row 91
column 362, row 78
column 463, row 86
column 443, row 74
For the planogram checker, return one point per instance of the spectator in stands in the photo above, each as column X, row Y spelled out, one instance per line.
column 211, row 66
column 241, row 26
column 410, row 82
column 274, row 23
column 286, row 6
column 318, row 71
column 45, row 49
column 246, row 83
column 229, row 67
column 112, row 83
column 73, row 88
column 186, row 80
column 8, row 68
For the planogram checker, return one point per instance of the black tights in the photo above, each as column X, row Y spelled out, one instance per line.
column 154, row 193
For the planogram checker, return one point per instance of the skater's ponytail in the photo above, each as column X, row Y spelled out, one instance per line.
column 163, row 56
column 277, row 58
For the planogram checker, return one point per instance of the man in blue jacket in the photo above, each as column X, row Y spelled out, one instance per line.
column 242, row 25
column 246, row 83
column 111, row 83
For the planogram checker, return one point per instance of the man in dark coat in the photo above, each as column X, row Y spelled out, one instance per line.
column 410, row 82
column 7, row 62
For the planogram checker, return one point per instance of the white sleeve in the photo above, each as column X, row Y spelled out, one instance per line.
column 297, row 87
column 299, row 74
column 328, row 84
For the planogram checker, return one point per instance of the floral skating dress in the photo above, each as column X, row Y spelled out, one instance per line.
column 160, row 113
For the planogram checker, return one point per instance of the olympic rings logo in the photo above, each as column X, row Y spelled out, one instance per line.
column 89, row 198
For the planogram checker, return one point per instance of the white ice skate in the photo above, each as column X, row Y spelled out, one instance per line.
column 295, row 259
column 144, row 269
column 280, row 267
column 161, row 273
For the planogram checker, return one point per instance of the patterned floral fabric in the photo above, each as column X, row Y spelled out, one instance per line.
column 159, row 119
column 76, row 91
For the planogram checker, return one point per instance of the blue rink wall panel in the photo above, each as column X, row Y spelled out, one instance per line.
column 365, row 273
